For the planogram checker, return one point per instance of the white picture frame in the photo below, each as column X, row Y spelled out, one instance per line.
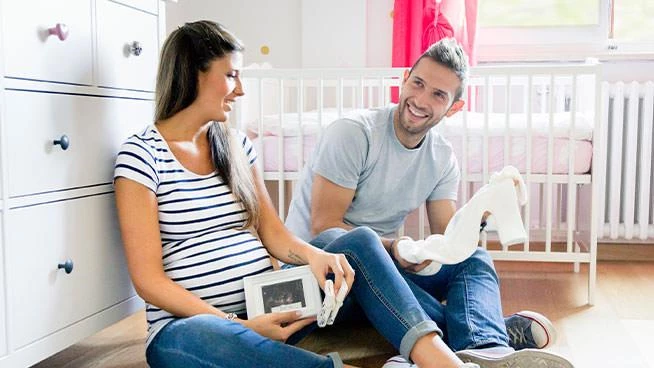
column 281, row 291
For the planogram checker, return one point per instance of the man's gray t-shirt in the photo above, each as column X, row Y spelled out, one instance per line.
column 362, row 152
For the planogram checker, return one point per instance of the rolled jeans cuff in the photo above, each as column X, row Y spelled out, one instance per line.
column 411, row 337
column 336, row 359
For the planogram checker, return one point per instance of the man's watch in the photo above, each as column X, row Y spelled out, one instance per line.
column 231, row 316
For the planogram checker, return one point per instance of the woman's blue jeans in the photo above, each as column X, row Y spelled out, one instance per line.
column 379, row 291
column 470, row 318
column 210, row 341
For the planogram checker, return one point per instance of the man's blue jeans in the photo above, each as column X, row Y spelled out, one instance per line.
column 472, row 315
column 379, row 290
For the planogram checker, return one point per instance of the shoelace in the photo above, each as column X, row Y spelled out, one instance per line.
column 517, row 336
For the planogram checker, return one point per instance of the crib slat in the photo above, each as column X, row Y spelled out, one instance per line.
column 529, row 102
column 507, row 114
column 631, row 132
column 280, row 152
column 300, row 117
column 506, row 149
column 572, row 186
column 557, row 221
column 380, row 92
column 360, row 94
column 339, row 97
column 550, row 168
column 615, row 156
column 646, row 162
column 260, row 146
column 369, row 92
column 571, row 215
column 320, row 96
column 487, row 107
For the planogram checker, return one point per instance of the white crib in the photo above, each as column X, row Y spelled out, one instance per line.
column 539, row 118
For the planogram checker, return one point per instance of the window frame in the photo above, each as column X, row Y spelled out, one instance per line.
column 569, row 43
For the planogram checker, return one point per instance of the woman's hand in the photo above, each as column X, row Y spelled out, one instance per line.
column 322, row 263
column 277, row 326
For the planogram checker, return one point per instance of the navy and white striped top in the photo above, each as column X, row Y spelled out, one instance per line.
column 203, row 250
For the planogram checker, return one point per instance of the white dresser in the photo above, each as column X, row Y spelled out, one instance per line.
column 78, row 78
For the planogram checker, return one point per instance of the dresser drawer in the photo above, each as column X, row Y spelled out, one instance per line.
column 44, row 298
column 32, row 53
column 93, row 127
column 128, row 47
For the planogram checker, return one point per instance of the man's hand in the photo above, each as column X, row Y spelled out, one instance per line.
column 404, row 264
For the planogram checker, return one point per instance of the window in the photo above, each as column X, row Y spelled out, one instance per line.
column 633, row 21
column 557, row 13
column 563, row 29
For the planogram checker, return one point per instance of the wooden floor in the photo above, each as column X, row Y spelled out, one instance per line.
column 616, row 332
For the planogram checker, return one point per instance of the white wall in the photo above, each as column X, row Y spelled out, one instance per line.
column 275, row 24
column 333, row 33
column 379, row 37
column 300, row 33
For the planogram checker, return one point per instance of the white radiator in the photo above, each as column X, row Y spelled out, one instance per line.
column 627, row 211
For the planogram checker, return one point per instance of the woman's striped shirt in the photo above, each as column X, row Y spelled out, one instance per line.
column 203, row 250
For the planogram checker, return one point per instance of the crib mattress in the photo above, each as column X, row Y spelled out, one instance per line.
column 477, row 125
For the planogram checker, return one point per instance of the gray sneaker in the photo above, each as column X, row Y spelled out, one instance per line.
column 399, row 362
column 501, row 357
column 530, row 330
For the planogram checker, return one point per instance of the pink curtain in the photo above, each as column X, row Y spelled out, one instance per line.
column 419, row 23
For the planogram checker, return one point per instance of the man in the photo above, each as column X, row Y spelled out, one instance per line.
column 373, row 168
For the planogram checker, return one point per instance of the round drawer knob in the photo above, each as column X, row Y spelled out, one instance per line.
column 135, row 48
column 67, row 266
column 63, row 141
column 60, row 30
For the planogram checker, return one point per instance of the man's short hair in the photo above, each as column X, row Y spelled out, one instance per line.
column 449, row 53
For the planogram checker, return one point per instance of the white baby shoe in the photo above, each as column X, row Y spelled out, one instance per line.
column 331, row 304
column 501, row 197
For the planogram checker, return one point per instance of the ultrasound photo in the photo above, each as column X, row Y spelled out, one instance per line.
column 283, row 296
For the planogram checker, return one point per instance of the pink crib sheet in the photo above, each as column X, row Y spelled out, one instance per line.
column 583, row 150
column 517, row 154
column 291, row 152
column 451, row 129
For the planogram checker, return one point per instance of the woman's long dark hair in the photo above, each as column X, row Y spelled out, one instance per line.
column 189, row 50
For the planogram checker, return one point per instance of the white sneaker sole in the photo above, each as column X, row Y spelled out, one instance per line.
column 549, row 330
column 527, row 358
